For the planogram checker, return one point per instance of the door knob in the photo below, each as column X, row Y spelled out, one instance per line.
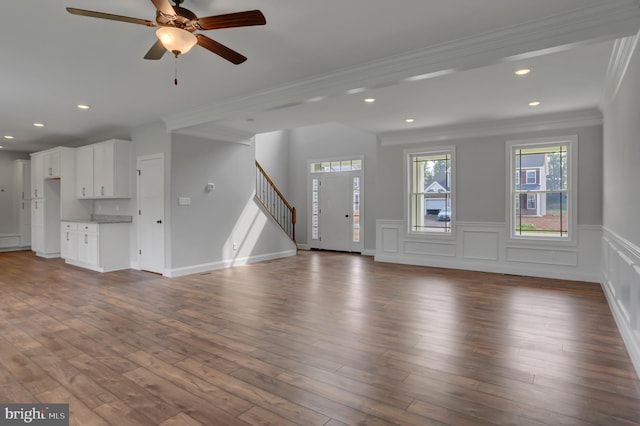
column 346, row 215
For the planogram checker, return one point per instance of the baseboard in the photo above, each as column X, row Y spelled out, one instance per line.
column 48, row 255
column 207, row 267
column 6, row 249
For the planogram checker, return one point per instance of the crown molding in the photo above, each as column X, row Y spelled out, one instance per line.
column 616, row 18
column 621, row 55
column 536, row 123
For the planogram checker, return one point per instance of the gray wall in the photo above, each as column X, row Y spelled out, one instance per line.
column 335, row 141
column 481, row 176
column 8, row 221
column 272, row 152
column 204, row 232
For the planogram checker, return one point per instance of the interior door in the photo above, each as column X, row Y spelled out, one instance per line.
column 151, row 213
column 335, row 212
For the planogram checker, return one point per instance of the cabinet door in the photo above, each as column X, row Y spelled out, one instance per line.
column 88, row 248
column 84, row 173
column 37, row 212
column 69, row 241
column 37, row 238
column 52, row 164
column 103, row 173
column 37, row 176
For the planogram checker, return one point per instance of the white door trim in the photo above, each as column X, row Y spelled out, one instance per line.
column 139, row 159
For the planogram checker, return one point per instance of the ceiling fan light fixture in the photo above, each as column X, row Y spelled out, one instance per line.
column 176, row 40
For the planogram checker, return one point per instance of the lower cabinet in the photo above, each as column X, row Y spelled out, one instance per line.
column 101, row 247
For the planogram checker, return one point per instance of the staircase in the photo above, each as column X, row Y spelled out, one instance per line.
column 268, row 194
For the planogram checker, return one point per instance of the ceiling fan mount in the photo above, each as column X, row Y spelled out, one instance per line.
column 179, row 17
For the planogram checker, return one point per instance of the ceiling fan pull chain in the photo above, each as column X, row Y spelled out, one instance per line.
column 175, row 72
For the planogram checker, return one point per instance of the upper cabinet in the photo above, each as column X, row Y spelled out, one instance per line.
column 103, row 170
column 84, row 172
column 52, row 164
column 37, row 175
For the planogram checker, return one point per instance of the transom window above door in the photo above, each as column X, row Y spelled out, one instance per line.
column 336, row 166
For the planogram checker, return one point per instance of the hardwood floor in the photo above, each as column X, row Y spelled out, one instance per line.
column 317, row 339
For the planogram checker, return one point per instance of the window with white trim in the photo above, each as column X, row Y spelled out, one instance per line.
column 543, row 188
column 430, row 192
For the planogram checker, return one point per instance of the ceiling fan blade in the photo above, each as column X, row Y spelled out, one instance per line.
column 157, row 51
column 110, row 16
column 231, row 20
column 220, row 49
column 164, row 7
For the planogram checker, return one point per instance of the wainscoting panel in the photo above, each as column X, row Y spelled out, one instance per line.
column 9, row 241
column 480, row 245
column 429, row 248
column 542, row 256
column 484, row 246
column 621, row 285
column 390, row 237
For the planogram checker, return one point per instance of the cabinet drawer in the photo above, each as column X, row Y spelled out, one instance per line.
column 88, row 227
column 69, row 226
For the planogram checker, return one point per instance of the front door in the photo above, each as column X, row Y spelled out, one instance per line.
column 335, row 208
column 335, row 211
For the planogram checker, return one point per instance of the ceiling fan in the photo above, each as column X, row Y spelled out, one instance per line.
column 177, row 27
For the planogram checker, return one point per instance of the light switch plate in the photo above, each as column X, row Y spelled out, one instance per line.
column 184, row 201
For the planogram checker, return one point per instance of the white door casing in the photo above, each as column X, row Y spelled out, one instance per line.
column 335, row 199
column 151, row 227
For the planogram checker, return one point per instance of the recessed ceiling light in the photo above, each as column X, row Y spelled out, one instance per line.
column 8, row 137
column 1, row 146
column 409, row 120
column 522, row 71
column 83, row 106
column 534, row 103
column 38, row 124
column 370, row 100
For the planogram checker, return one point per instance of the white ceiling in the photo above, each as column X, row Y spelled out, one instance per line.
column 303, row 66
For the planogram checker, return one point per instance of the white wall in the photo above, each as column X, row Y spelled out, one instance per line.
column 621, row 205
column 223, row 227
column 273, row 154
column 481, row 238
column 332, row 141
column 8, row 221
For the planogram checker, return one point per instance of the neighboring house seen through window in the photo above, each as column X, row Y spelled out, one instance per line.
column 430, row 191
column 542, row 188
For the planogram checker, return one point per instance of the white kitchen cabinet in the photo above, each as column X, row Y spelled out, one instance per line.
column 69, row 240
column 45, row 227
column 88, row 244
column 37, row 175
column 37, row 225
column 22, row 193
column 103, row 170
column 84, row 172
column 53, row 179
column 101, row 247
column 52, row 163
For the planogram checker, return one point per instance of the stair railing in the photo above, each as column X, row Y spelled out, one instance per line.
column 268, row 194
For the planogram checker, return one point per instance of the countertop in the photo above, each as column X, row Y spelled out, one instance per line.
column 102, row 218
